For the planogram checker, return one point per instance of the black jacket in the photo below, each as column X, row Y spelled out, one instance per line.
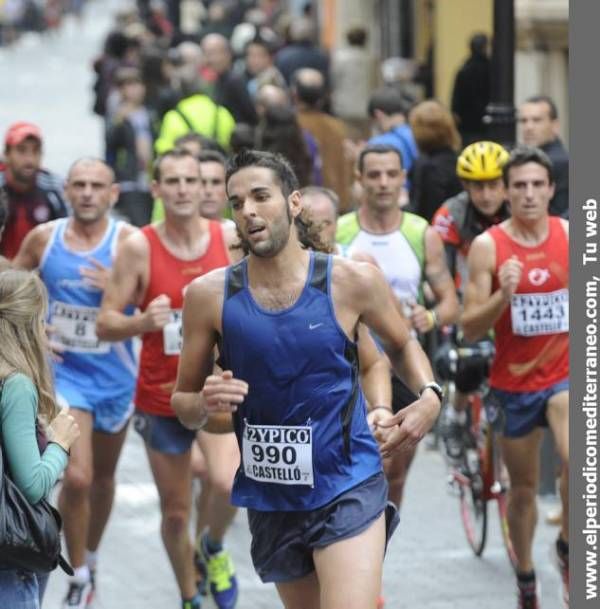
column 432, row 181
column 559, row 204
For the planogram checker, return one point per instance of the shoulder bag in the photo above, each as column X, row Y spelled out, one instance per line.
column 29, row 533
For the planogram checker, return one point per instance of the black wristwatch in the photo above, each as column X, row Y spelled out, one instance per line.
column 435, row 388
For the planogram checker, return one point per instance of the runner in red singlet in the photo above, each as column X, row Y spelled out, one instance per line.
column 152, row 270
column 518, row 284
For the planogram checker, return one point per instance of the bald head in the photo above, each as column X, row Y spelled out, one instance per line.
column 309, row 87
column 217, row 52
column 91, row 190
column 94, row 163
column 309, row 77
column 270, row 96
column 302, row 30
column 190, row 52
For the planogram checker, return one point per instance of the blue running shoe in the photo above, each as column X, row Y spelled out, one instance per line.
column 221, row 576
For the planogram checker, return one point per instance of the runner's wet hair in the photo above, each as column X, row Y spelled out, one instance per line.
column 308, row 233
column 522, row 155
column 211, row 156
column 277, row 163
column 377, row 149
column 176, row 153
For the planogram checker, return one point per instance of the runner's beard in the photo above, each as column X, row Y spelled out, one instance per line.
column 279, row 236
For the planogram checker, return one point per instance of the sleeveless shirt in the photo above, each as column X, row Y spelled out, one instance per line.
column 532, row 334
column 107, row 369
column 170, row 275
column 302, row 428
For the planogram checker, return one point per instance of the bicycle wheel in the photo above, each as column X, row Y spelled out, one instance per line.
column 473, row 513
column 502, row 512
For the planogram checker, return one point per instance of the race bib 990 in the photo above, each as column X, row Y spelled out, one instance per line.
column 537, row 314
column 173, row 334
column 75, row 328
column 278, row 454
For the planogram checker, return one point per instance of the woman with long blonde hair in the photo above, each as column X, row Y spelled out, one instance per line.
column 35, row 436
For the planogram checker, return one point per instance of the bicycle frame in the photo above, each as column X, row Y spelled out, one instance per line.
column 482, row 482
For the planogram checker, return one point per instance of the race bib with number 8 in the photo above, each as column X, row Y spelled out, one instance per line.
column 278, row 454
column 538, row 314
column 173, row 334
column 75, row 328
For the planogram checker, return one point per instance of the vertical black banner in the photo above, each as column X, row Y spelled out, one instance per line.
column 584, row 529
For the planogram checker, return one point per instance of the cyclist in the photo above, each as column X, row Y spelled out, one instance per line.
column 458, row 221
column 518, row 284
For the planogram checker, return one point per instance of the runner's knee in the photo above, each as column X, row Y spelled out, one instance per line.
column 522, row 495
column 104, row 483
column 78, row 479
column 221, row 485
column 175, row 521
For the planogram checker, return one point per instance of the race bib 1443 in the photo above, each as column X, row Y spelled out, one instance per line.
column 278, row 454
column 540, row 313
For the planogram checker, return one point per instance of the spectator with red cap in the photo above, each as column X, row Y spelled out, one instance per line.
column 34, row 194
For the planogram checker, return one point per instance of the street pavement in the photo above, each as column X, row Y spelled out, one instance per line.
column 47, row 79
column 428, row 565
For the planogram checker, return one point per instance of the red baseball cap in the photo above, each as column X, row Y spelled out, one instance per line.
column 20, row 131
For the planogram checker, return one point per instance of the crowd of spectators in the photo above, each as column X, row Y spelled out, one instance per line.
column 18, row 16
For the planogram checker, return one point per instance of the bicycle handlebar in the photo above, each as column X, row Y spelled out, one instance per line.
column 484, row 349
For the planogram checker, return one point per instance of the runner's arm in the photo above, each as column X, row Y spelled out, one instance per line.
column 375, row 371
column 378, row 311
column 439, row 279
column 482, row 308
column 124, row 287
column 201, row 307
column 32, row 248
column 372, row 296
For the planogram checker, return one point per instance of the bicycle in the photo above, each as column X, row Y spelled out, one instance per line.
column 480, row 476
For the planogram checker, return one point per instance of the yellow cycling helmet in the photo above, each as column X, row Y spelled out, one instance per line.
column 481, row 161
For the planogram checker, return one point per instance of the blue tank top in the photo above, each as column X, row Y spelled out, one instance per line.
column 302, row 429
column 108, row 370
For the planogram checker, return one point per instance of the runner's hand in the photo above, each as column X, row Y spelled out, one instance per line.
column 375, row 418
column 509, row 275
column 64, row 430
column 97, row 276
column 421, row 319
column 157, row 313
column 223, row 393
column 409, row 426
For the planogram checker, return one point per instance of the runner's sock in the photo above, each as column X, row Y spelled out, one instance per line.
column 191, row 603
column 91, row 559
column 526, row 583
column 81, row 575
column 213, row 547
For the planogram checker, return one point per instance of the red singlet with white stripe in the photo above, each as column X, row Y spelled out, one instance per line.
column 160, row 350
column 532, row 335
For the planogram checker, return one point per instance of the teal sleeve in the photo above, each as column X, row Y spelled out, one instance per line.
column 34, row 474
